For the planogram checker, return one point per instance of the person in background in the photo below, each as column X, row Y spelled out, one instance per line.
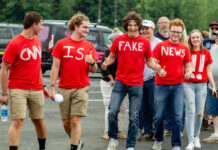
column 211, row 40
column 195, row 88
column 163, row 28
column 107, row 82
column 146, row 111
column 212, row 98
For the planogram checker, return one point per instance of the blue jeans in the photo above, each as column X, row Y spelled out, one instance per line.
column 211, row 104
column 195, row 97
column 161, row 100
column 147, row 105
column 135, row 96
column 168, row 119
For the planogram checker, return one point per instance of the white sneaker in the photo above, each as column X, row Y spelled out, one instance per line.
column 197, row 143
column 176, row 148
column 157, row 145
column 130, row 148
column 211, row 139
column 113, row 143
column 190, row 146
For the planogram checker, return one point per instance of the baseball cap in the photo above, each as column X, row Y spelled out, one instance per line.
column 148, row 23
column 213, row 23
column 215, row 32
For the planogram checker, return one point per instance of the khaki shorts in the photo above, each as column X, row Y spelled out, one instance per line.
column 75, row 102
column 19, row 99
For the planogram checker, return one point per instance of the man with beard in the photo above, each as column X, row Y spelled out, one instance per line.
column 211, row 40
column 163, row 28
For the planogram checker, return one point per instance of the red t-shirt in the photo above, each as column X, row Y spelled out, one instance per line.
column 131, row 58
column 173, row 57
column 199, row 66
column 25, row 56
column 74, row 70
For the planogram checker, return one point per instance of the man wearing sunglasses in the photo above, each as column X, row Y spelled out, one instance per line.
column 211, row 40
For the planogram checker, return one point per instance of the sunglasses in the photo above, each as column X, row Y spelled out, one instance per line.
column 214, row 28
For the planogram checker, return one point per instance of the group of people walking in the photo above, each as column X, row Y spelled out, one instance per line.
column 173, row 85
column 153, row 72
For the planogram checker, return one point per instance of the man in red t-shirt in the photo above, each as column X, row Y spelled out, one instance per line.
column 74, row 57
column 174, row 59
column 131, row 50
column 25, row 82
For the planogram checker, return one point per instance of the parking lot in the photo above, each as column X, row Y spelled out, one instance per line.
column 93, row 128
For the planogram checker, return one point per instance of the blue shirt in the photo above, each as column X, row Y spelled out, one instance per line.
column 159, row 36
column 208, row 43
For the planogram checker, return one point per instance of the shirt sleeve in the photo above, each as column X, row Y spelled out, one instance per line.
column 114, row 47
column 10, row 53
column 57, row 50
column 187, row 56
column 148, row 52
column 209, row 59
column 94, row 54
column 156, row 51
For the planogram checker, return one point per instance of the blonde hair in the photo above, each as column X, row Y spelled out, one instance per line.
column 190, row 46
column 76, row 20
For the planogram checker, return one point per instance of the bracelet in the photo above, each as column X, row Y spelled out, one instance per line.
column 52, row 85
column 93, row 64
column 4, row 94
column 44, row 86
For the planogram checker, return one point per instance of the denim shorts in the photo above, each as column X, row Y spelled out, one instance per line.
column 211, row 104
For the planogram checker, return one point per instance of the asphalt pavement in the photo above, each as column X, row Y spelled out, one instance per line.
column 92, row 126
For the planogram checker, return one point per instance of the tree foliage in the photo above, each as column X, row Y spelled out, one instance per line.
column 195, row 13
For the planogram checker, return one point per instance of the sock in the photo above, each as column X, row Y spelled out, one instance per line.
column 13, row 147
column 41, row 143
column 73, row 147
column 216, row 134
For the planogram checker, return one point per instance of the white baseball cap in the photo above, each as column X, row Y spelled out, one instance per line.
column 148, row 23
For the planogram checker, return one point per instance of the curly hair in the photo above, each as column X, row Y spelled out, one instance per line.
column 132, row 16
column 31, row 18
column 76, row 20
column 177, row 22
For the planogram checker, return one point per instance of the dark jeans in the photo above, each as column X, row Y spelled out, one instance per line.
column 135, row 96
column 147, row 105
column 161, row 100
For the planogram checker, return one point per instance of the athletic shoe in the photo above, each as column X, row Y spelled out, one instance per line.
column 176, row 148
column 211, row 139
column 130, row 148
column 157, row 145
column 197, row 142
column 113, row 143
column 190, row 146
column 80, row 146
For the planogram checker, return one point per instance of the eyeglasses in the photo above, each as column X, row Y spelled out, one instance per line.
column 176, row 32
column 214, row 28
column 163, row 22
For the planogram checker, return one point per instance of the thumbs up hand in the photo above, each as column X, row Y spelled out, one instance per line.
column 162, row 72
column 89, row 59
